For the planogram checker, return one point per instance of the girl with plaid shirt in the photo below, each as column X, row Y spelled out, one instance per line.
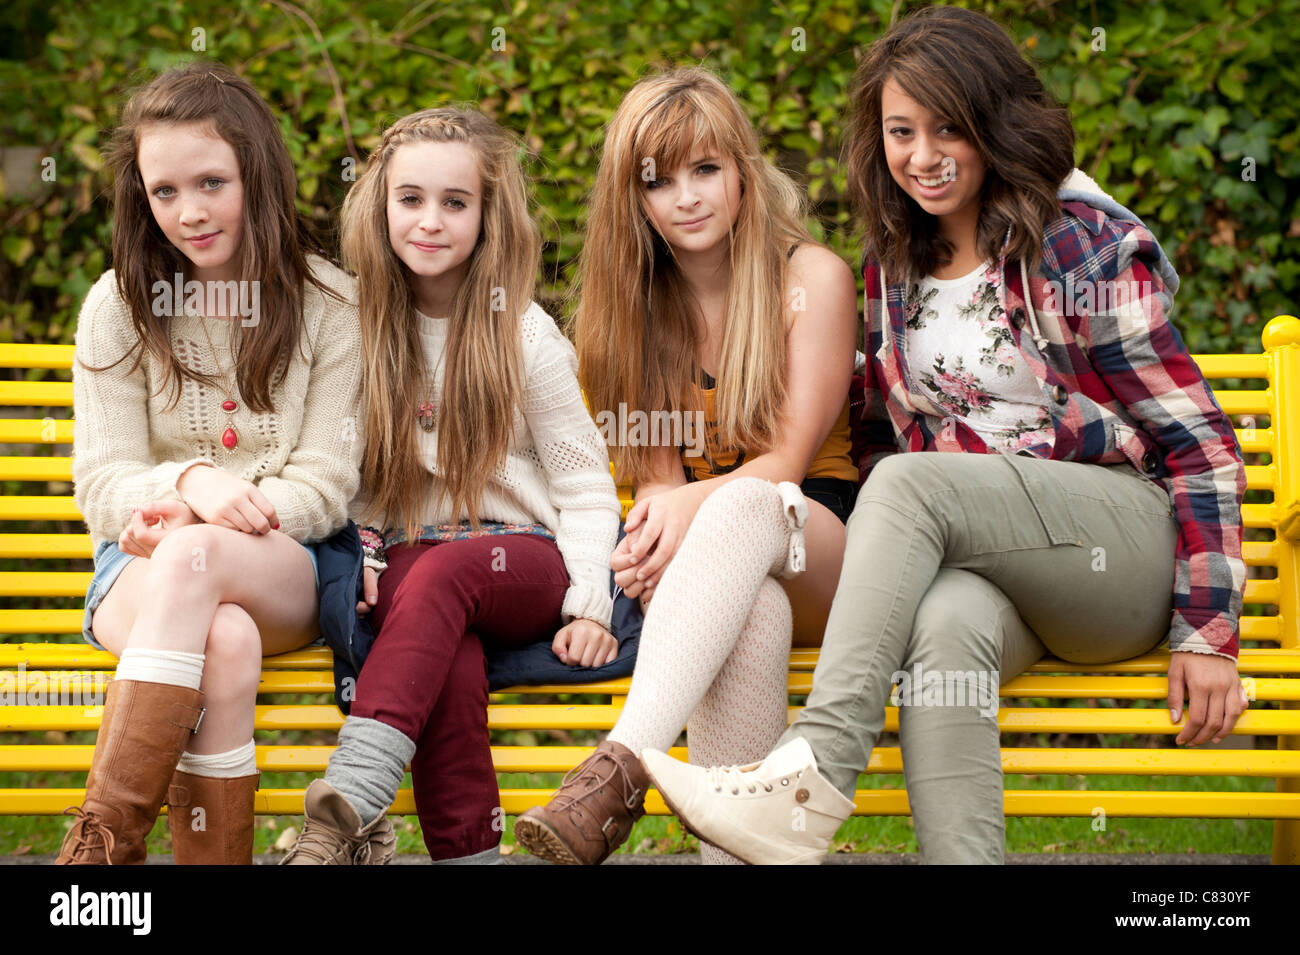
column 1067, row 482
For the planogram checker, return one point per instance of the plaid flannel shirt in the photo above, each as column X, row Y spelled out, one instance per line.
column 1120, row 386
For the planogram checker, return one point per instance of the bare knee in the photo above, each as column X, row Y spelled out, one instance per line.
column 188, row 553
column 232, row 663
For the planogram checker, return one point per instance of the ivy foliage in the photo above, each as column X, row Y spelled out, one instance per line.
column 1186, row 113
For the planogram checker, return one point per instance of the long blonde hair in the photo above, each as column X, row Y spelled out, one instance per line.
column 636, row 324
column 482, row 377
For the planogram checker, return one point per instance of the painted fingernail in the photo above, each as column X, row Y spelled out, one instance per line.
column 275, row 527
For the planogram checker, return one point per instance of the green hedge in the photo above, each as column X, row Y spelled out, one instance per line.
column 1166, row 114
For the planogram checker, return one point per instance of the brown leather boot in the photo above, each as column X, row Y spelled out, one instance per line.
column 143, row 731
column 593, row 811
column 222, row 834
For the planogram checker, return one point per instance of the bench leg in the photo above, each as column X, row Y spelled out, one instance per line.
column 1286, row 832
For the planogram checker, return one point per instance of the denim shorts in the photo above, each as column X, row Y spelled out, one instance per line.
column 109, row 562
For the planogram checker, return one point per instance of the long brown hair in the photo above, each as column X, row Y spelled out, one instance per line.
column 482, row 367
column 636, row 325
column 276, row 239
column 965, row 68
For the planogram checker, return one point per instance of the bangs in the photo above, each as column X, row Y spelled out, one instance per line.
column 929, row 84
column 674, row 133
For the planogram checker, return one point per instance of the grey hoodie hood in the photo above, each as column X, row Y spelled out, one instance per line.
column 1080, row 187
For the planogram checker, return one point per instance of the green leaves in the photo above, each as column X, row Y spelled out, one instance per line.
column 1166, row 116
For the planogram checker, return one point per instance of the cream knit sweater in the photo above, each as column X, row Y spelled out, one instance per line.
column 129, row 450
column 556, row 471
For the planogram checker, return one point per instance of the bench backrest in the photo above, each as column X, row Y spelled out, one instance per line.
column 1264, row 398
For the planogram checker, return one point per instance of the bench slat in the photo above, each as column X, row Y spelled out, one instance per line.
column 65, row 656
column 1260, row 477
column 44, row 431
column 888, row 759
column 597, row 716
column 36, row 394
column 1233, row 366
column 879, row 802
column 45, row 583
column 36, row 356
column 41, row 621
column 54, row 687
column 52, row 468
column 1243, row 402
column 17, row 507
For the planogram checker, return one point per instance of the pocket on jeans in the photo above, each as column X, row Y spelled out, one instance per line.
column 1051, row 503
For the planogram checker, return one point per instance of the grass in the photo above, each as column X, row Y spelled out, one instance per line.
column 42, row 835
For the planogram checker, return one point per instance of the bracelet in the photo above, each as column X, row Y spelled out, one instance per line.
column 372, row 545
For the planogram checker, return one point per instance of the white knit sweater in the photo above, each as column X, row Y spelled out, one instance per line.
column 556, row 471
column 129, row 449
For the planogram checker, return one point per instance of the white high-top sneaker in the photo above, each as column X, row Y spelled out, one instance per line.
column 777, row 812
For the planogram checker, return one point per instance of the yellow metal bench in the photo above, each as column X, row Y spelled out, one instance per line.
column 45, row 677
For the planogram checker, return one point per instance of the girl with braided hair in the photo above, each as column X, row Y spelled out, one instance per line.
column 486, row 480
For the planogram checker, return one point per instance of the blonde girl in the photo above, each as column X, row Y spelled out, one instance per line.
column 485, row 478
column 702, row 293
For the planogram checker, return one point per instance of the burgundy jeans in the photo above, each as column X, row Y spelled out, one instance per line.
column 426, row 674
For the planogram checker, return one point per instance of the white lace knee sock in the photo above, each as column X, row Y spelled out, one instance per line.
column 745, row 532
column 743, row 713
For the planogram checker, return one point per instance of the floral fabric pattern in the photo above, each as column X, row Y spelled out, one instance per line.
column 967, row 364
column 464, row 531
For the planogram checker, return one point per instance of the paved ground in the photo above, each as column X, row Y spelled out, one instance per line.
column 864, row 858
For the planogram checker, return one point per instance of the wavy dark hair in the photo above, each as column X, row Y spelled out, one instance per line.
column 276, row 239
column 964, row 67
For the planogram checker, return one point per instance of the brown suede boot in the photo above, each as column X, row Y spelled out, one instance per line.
column 332, row 833
column 142, row 734
column 222, row 833
column 593, row 811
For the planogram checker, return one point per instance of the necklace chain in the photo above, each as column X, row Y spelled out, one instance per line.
column 229, row 437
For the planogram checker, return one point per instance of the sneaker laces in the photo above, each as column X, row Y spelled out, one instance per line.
column 737, row 778
column 588, row 772
column 90, row 824
column 319, row 843
column 363, row 854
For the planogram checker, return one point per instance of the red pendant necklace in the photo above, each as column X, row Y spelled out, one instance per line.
column 229, row 438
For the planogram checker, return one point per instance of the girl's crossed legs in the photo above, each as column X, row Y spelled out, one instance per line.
column 960, row 563
column 232, row 596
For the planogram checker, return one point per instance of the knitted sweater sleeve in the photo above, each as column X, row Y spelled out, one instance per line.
column 311, row 492
column 113, row 470
column 575, row 460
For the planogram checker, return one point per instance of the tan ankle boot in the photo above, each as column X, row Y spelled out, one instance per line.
column 143, row 731
column 222, row 832
column 593, row 811
column 332, row 833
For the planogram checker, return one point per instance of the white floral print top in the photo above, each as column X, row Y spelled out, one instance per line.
column 963, row 360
